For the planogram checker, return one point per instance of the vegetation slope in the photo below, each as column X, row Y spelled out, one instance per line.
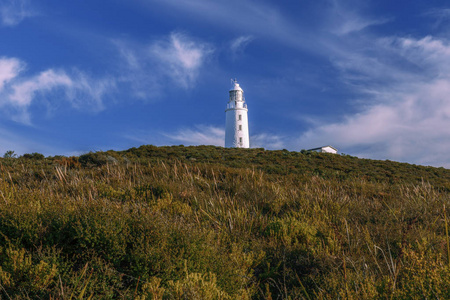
column 214, row 223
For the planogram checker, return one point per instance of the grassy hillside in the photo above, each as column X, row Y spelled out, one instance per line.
column 213, row 223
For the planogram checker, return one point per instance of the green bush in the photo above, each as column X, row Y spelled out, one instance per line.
column 93, row 159
column 34, row 155
column 214, row 223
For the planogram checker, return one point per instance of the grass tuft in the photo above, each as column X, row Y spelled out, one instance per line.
column 212, row 223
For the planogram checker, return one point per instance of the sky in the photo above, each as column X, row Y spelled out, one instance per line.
column 371, row 78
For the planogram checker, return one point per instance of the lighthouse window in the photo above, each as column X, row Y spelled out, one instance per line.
column 240, row 127
column 240, row 117
column 240, row 140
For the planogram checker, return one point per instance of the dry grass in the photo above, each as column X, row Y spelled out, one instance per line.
column 173, row 228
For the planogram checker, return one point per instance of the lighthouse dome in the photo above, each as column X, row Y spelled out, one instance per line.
column 236, row 86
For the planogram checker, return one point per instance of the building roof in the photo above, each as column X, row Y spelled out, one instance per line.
column 319, row 148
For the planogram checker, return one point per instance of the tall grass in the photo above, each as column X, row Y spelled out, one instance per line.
column 110, row 226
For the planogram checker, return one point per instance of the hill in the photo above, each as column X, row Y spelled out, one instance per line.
column 213, row 223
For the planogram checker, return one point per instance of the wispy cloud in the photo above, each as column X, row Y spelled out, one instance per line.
column 180, row 57
column 267, row 141
column 440, row 15
column 238, row 45
column 213, row 135
column 344, row 18
column 350, row 24
column 406, row 120
column 9, row 69
column 252, row 17
column 25, row 91
column 12, row 12
column 176, row 59
column 438, row 12
column 199, row 135
column 19, row 91
column 267, row 21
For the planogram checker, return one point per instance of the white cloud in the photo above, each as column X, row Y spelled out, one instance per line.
column 12, row 12
column 267, row 141
column 347, row 23
column 180, row 57
column 138, row 73
column 127, row 54
column 428, row 52
column 175, row 60
column 238, row 45
column 212, row 135
column 19, row 91
column 352, row 24
column 346, row 17
column 88, row 92
column 200, row 135
column 408, row 119
column 24, row 92
column 252, row 17
column 9, row 69
column 439, row 12
column 441, row 16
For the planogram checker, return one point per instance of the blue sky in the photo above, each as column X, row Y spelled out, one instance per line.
column 371, row 78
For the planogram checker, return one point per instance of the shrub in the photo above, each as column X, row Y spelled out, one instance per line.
column 231, row 224
column 10, row 154
column 93, row 159
column 34, row 155
column 18, row 271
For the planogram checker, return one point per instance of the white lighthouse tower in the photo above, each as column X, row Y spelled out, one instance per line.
column 236, row 129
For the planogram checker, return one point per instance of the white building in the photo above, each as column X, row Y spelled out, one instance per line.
column 325, row 149
column 236, row 127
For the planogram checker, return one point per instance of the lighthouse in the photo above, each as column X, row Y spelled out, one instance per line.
column 236, row 127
